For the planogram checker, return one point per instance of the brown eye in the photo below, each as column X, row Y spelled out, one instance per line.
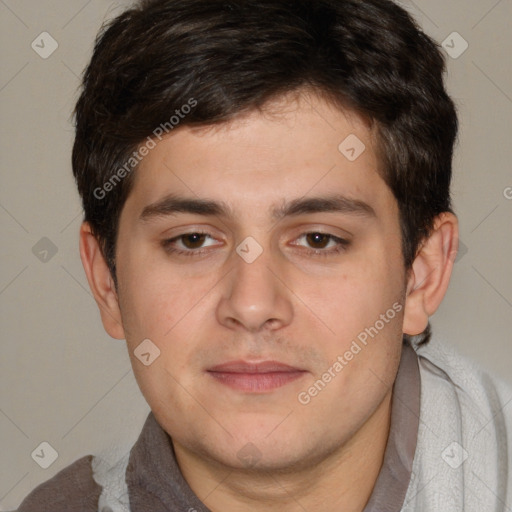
column 318, row 240
column 189, row 244
column 193, row 240
column 322, row 244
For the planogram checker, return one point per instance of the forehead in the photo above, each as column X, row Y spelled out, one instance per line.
column 296, row 147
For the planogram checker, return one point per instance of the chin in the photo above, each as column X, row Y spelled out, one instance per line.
column 259, row 451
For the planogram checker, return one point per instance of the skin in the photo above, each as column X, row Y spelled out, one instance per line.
column 289, row 305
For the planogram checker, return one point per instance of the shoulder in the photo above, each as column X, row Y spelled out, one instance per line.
column 71, row 490
column 475, row 388
column 462, row 402
column 463, row 452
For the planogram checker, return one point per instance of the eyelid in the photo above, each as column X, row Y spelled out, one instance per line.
column 342, row 243
column 330, row 235
column 341, row 246
column 324, row 229
column 168, row 241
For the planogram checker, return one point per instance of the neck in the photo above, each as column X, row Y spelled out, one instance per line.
column 342, row 480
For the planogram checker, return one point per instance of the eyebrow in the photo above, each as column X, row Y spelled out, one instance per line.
column 173, row 204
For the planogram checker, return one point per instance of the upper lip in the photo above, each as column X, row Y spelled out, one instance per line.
column 252, row 367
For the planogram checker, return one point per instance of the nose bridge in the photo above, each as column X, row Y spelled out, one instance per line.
column 255, row 296
column 252, row 272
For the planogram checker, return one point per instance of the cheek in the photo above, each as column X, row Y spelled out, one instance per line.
column 363, row 359
column 171, row 311
column 348, row 303
column 156, row 298
column 361, row 312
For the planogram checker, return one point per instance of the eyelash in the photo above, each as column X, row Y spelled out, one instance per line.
column 341, row 247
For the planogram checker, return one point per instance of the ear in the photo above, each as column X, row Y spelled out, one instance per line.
column 430, row 274
column 101, row 282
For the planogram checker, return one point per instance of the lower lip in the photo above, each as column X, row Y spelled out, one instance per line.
column 256, row 382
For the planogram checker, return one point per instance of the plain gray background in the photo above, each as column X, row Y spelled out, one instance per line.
column 63, row 380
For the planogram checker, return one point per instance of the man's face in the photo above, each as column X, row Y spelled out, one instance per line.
column 257, row 287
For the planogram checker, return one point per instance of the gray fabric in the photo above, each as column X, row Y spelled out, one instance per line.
column 71, row 490
column 112, row 478
column 463, row 458
column 391, row 487
column 153, row 476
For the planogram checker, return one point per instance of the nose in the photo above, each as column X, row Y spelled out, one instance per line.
column 256, row 296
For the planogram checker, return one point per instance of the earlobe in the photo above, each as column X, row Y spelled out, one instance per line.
column 430, row 274
column 100, row 282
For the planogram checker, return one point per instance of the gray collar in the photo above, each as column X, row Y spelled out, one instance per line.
column 391, row 486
